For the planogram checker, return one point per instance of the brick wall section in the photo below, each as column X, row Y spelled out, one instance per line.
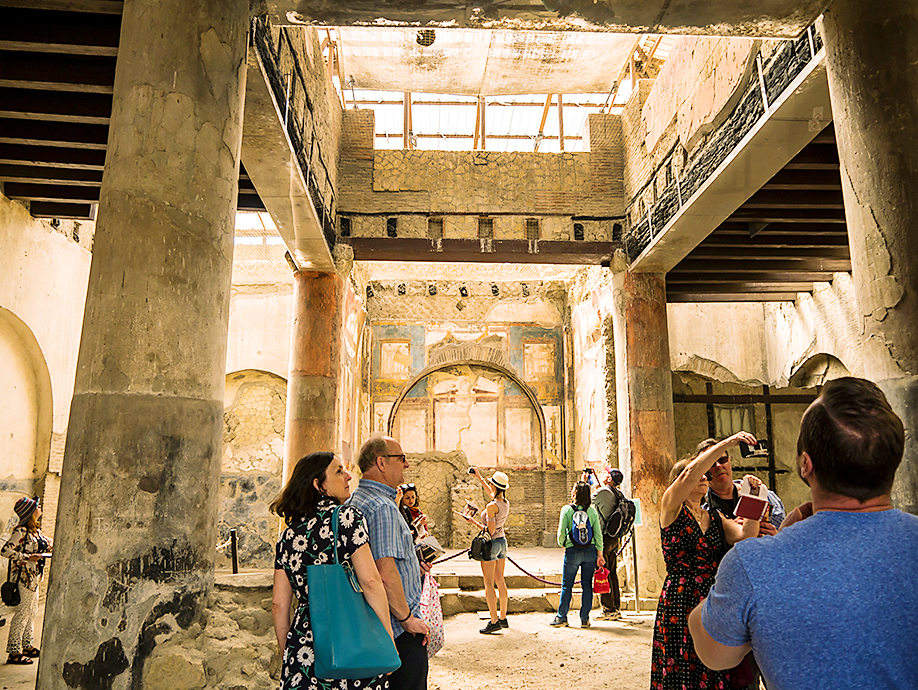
column 460, row 185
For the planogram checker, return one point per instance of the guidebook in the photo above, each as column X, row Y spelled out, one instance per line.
column 752, row 501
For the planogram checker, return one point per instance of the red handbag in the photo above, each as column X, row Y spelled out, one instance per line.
column 601, row 581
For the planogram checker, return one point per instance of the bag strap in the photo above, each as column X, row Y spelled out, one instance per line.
column 335, row 532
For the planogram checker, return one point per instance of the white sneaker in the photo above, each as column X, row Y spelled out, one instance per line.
column 611, row 616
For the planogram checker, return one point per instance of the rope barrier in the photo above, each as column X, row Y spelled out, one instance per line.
column 536, row 577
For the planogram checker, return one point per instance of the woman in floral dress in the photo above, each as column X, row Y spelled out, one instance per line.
column 318, row 485
column 692, row 548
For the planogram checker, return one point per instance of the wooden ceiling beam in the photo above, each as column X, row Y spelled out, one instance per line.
column 71, row 33
column 69, row 211
column 469, row 250
column 732, row 297
column 68, row 134
column 50, row 192
column 690, row 265
column 766, row 239
column 757, row 253
column 793, row 198
column 53, row 156
column 33, row 104
column 738, row 286
column 799, row 215
column 763, row 276
column 23, row 69
column 49, row 175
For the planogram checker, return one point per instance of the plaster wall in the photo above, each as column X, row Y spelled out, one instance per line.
column 767, row 343
column 595, row 418
column 45, row 272
column 252, row 465
column 259, row 327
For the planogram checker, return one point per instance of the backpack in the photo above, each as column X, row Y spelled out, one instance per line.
column 621, row 519
column 581, row 528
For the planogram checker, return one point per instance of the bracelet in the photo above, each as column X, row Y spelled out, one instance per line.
column 402, row 620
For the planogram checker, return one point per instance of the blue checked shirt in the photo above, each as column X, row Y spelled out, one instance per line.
column 390, row 538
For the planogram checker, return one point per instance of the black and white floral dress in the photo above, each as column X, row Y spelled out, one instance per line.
column 302, row 544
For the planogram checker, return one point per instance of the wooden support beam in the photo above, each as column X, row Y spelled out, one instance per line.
column 788, row 215
column 50, row 192
column 406, row 108
column 484, row 108
column 477, row 124
column 560, row 123
column 469, row 250
column 49, row 175
column 732, row 297
column 541, row 134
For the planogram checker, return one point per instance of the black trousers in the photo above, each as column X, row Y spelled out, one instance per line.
column 612, row 601
column 412, row 675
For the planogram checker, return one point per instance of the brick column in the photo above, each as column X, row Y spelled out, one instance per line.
column 315, row 363
column 647, row 440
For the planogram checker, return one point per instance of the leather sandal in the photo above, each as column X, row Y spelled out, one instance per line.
column 20, row 659
column 31, row 652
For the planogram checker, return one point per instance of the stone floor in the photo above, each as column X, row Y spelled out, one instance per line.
column 530, row 638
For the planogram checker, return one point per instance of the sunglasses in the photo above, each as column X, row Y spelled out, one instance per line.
column 407, row 487
column 722, row 460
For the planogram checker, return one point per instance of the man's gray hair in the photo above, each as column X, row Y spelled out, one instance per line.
column 370, row 450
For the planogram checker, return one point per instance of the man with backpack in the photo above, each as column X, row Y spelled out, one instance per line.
column 616, row 516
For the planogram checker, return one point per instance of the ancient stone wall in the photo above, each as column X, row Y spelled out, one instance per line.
column 252, row 466
column 410, row 185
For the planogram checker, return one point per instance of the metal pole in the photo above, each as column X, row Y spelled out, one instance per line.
column 637, row 596
column 233, row 551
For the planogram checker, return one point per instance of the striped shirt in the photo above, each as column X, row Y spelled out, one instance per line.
column 390, row 538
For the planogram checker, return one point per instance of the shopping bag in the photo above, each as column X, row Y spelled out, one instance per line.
column 432, row 614
column 601, row 581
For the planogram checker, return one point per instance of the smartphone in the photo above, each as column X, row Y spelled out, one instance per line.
column 588, row 470
column 756, row 450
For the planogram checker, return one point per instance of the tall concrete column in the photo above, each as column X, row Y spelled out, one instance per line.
column 647, row 440
column 315, row 363
column 134, row 556
column 872, row 49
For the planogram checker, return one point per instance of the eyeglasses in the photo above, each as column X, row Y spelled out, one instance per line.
column 722, row 460
column 400, row 455
column 407, row 487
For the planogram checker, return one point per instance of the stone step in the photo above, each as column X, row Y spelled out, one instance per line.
column 473, row 582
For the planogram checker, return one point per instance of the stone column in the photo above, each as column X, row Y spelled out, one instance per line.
column 134, row 556
column 315, row 362
column 871, row 51
column 647, row 440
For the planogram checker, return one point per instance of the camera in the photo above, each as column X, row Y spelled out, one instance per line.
column 471, row 470
column 588, row 470
column 757, row 450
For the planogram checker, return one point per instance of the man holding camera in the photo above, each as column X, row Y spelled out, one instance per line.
column 723, row 492
column 606, row 498
column 830, row 601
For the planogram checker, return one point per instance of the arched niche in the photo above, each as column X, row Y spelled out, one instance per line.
column 25, row 401
column 489, row 363
column 816, row 370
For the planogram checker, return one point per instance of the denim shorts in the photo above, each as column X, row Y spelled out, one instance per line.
column 498, row 548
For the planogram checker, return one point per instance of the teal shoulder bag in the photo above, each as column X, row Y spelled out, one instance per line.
column 348, row 637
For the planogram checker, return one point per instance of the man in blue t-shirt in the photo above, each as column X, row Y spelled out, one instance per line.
column 830, row 601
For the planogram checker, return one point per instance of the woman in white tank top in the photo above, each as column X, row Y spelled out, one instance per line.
column 493, row 518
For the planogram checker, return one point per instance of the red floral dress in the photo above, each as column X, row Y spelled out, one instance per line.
column 691, row 557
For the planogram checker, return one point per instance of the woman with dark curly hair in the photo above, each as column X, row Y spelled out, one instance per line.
column 318, row 485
